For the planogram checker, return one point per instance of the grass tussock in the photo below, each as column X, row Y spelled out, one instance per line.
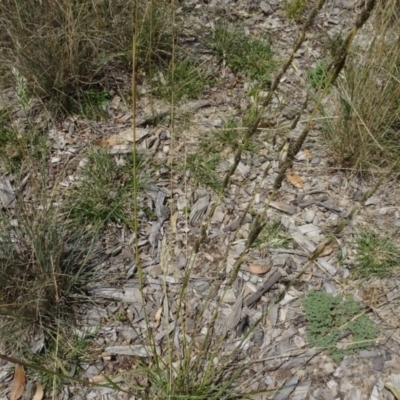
column 377, row 255
column 246, row 55
column 66, row 47
column 182, row 79
column 365, row 133
column 42, row 270
column 104, row 193
column 295, row 9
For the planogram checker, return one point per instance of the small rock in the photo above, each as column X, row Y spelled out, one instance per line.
column 309, row 216
column 266, row 8
column 94, row 370
column 164, row 170
column 378, row 363
column 354, row 394
column 333, row 386
column 345, row 387
column 372, row 200
column 315, row 161
column 128, row 334
column 329, row 368
column 335, row 181
column 368, row 353
column 229, row 296
column 346, row 4
column 289, row 112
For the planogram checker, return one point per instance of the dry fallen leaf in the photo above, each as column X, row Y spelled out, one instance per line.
column 259, row 269
column 158, row 315
column 18, row 385
column 123, row 138
column 174, row 218
column 39, row 392
column 295, row 180
column 98, row 379
column 328, row 250
column 308, row 154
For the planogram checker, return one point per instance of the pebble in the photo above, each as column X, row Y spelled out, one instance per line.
column 329, row 368
column 265, row 8
column 316, row 161
column 378, row 363
column 217, row 123
column 335, row 181
column 309, row 216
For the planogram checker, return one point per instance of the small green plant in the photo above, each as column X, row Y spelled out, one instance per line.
column 104, row 193
column 377, row 256
column 330, row 316
column 273, row 235
column 318, row 76
column 203, row 165
column 295, row 8
column 246, row 55
column 93, row 103
column 230, row 135
column 182, row 79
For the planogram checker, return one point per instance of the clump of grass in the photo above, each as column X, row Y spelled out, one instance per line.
column 295, row 8
column 66, row 351
column 182, row 79
column 43, row 267
column 93, row 103
column 64, row 48
column 202, row 165
column 230, row 136
column 20, row 146
column 204, row 162
column 329, row 317
column 318, row 76
column 203, row 381
column 365, row 134
column 377, row 256
column 104, row 193
column 273, row 235
column 245, row 55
